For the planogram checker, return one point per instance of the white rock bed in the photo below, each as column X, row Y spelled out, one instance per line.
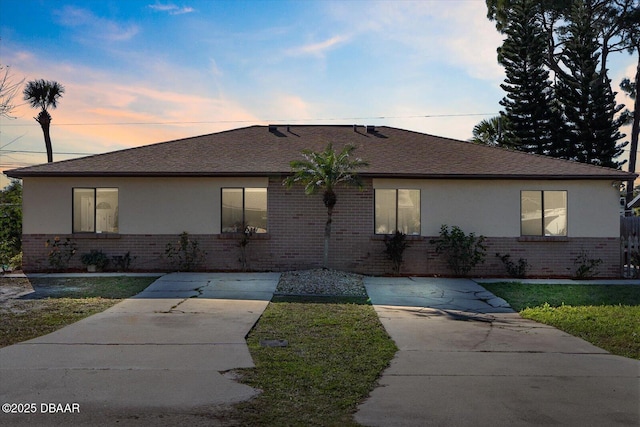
column 321, row 282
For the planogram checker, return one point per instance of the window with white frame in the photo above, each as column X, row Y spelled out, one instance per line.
column 397, row 210
column 543, row 213
column 242, row 208
column 95, row 210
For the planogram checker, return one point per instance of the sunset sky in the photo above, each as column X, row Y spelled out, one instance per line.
column 138, row 72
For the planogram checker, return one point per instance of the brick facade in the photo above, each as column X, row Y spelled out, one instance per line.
column 295, row 241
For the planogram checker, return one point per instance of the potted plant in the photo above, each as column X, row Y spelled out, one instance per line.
column 95, row 260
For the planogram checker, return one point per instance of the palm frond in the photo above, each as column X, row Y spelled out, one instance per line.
column 43, row 94
column 324, row 170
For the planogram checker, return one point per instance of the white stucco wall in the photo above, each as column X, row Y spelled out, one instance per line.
column 174, row 205
column 492, row 207
column 146, row 205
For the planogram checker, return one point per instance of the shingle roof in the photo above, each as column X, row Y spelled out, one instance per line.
column 263, row 150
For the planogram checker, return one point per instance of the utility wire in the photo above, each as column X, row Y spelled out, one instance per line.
column 44, row 152
column 257, row 120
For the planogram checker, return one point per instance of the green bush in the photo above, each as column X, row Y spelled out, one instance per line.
column 245, row 238
column 61, row 252
column 394, row 250
column 122, row 262
column 586, row 267
column 186, row 255
column 95, row 257
column 462, row 251
column 10, row 221
column 16, row 261
column 518, row 269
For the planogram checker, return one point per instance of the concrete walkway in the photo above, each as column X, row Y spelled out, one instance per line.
column 466, row 359
column 158, row 355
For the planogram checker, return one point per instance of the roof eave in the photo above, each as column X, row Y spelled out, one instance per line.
column 17, row 173
column 625, row 176
column 132, row 174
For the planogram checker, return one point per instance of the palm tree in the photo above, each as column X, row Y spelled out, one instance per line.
column 488, row 131
column 324, row 171
column 44, row 94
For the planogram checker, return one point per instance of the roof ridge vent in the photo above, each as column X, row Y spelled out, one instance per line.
column 370, row 129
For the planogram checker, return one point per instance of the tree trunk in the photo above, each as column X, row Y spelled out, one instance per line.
column 44, row 118
column 327, row 237
column 329, row 199
column 635, row 129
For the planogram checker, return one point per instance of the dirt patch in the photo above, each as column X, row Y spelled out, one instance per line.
column 22, row 288
column 14, row 287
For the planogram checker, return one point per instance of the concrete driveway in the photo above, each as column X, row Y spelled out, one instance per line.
column 466, row 359
column 157, row 358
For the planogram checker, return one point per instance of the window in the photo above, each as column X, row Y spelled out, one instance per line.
column 397, row 210
column 543, row 213
column 244, row 207
column 95, row 210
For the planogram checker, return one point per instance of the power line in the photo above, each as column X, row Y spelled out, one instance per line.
column 44, row 152
column 255, row 120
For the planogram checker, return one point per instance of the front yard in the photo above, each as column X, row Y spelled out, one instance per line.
column 607, row 316
column 57, row 302
column 329, row 351
column 335, row 349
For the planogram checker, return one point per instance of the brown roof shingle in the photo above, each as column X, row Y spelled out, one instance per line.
column 262, row 150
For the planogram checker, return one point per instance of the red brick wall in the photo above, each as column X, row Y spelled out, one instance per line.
column 296, row 236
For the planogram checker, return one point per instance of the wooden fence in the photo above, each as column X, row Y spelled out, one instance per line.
column 630, row 246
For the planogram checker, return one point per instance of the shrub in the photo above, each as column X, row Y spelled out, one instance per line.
column 587, row 267
column 5, row 255
column 61, row 252
column 122, row 262
column 245, row 238
column 518, row 269
column 16, row 261
column 394, row 250
column 462, row 251
column 186, row 254
column 95, row 257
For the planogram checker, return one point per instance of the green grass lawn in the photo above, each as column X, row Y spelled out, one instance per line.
column 62, row 302
column 607, row 316
column 336, row 351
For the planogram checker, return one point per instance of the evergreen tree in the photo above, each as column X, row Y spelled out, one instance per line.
column 578, row 35
column 631, row 36
column 588, row 103
column 528, row 100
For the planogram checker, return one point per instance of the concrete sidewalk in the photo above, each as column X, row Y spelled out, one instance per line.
column 163, row 351
column 470, row 363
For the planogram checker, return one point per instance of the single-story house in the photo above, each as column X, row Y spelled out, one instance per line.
column 544, row 210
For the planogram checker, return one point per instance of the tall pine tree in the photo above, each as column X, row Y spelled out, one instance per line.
column 528, row 108
column 585, row 94
column 579, row 35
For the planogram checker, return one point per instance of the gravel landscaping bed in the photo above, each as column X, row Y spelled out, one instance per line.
column 321, row 282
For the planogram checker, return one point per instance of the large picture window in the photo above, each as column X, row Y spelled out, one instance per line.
column 397, row 210
column 95, row 210
column 543, row 213
column 244, row 207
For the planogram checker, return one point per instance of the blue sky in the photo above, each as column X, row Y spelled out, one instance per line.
column 138, row 72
